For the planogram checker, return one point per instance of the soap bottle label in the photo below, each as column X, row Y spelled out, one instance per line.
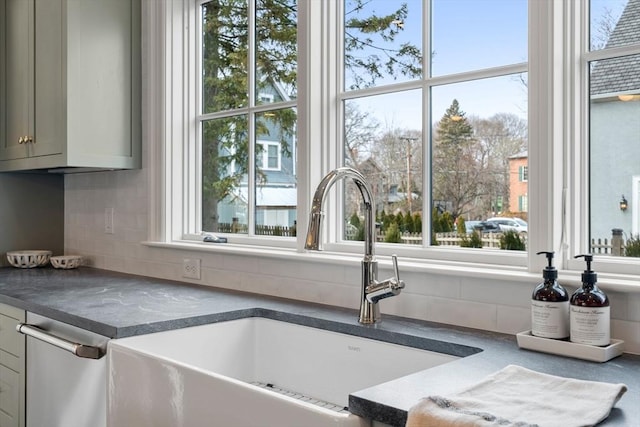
column 590, row 325
column 550, row 319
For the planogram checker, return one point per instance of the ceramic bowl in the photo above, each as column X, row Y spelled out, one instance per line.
column 28, row 259
column 66, row 261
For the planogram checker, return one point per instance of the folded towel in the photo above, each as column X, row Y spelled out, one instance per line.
column 515, row 396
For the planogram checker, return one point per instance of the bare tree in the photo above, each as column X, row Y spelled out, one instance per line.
column 498, row 137
column 360, row 131
column 602, row 29
column 399, row 153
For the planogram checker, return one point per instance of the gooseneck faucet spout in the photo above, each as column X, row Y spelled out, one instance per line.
column 372, row 291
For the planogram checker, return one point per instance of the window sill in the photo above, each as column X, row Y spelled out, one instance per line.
column 608, row 282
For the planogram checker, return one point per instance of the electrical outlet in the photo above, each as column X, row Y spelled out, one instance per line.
column 191, row 268
column 108, row 221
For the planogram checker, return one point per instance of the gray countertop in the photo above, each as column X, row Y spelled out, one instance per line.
column 118, row 305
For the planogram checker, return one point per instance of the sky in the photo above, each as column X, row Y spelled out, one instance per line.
column 464, row 40
column 468, row 35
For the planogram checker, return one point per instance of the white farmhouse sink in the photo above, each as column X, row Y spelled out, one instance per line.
column 250, row 372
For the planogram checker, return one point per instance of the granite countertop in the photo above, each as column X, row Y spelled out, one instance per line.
column 119, row 305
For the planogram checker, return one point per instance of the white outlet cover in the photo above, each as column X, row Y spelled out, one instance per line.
column 191, row 268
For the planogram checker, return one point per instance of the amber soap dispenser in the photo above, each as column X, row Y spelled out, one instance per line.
column 590, row 312
column 550, row 305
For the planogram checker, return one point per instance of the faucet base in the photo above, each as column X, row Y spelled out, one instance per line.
column 369, row 313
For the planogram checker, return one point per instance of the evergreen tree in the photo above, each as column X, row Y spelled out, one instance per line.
column 409, row 227
column 417, row 223
column 454, row 163
column 355, row 219
column 393, row 234
column 371, row 51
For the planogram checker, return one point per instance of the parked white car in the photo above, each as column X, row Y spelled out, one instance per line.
column 515, row 224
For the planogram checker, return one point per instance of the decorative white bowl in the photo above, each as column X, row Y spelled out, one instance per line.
column 66, row 261
column 28, row 259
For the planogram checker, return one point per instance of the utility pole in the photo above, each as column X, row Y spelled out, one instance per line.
column 409, row 140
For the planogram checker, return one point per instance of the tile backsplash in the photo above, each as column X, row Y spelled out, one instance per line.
column 457, row 300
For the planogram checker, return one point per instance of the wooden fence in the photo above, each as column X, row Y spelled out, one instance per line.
column 489, row 240
column 613, row 246
column 601, row 246
column 261, row 230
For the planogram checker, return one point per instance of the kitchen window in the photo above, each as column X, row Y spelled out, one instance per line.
column 442, row 115
column 247, row 67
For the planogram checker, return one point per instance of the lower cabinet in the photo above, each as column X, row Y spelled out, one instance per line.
column 12, row 368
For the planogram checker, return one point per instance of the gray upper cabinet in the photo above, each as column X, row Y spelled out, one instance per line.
column 71, row 84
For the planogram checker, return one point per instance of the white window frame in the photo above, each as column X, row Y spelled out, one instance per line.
column 577, row 129
column 265, row 155
column 558, row 98
column 266, row 98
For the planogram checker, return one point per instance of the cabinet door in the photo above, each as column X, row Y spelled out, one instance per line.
column 12, row 368
column 18, row 78
column 3, row 86
column 50, row 107
column 9, row 398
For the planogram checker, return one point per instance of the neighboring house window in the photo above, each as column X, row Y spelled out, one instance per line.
column 268, row 156
column 266, row 98
column 523, row 173
column 523, row 203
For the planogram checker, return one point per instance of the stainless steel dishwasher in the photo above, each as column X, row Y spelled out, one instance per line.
column 66, row 374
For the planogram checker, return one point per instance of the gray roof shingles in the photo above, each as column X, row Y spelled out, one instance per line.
column 620, row 74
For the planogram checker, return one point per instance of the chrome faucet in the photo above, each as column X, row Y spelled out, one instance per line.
column 372, row 291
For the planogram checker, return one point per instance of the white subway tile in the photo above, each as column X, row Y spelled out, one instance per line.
column 462, row 313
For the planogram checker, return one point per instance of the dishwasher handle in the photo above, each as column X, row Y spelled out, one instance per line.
column 80, row 350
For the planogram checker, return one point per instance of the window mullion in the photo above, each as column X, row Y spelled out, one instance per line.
column 545, row 131
column 251, row 161
column 427, row 125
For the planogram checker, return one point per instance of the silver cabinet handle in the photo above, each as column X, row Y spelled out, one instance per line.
column 80, row 350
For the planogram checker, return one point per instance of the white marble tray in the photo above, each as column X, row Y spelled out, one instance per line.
column 571, row 349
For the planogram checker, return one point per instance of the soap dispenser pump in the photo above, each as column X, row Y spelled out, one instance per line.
column 550, row 305
column 590, row 312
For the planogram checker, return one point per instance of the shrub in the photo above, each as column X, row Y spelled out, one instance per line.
column 354, row 220
column 417, row 223
column 447, row 222
column 441, row 223
column 392, row 234
column 632, row 246
column 385, row 220
column 511, row 241
column 408, row 223
column 461, row 227
column 473, row 241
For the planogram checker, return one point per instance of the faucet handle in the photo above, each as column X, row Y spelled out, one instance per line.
column 396, row 272
column 399, row 284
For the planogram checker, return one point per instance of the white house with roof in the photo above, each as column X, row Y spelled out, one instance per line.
column 615, row 134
